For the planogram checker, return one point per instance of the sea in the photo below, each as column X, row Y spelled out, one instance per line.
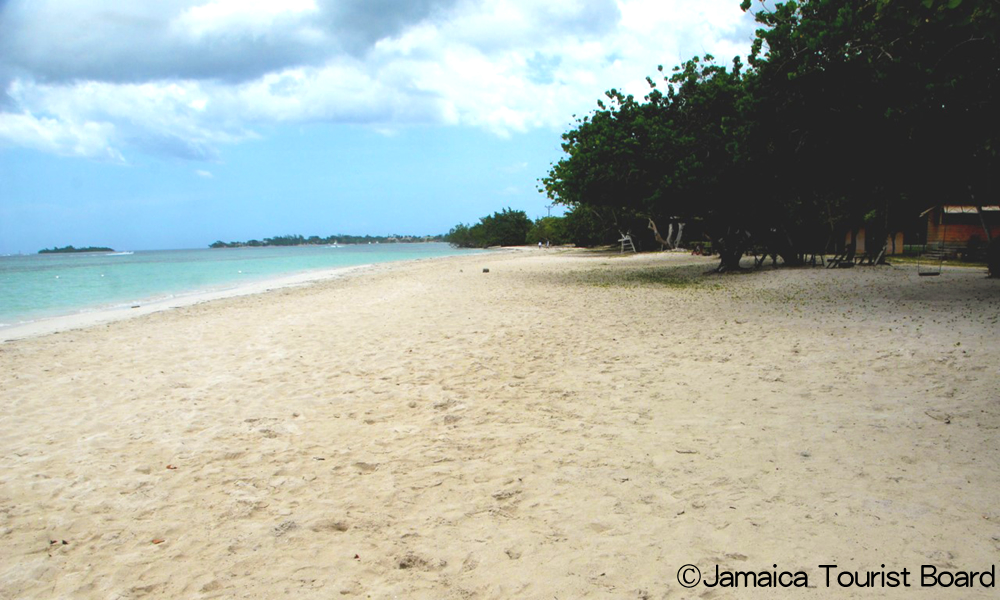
column 42, row 286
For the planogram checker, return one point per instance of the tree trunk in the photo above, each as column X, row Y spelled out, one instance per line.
column 852, row 248
column 732, row 247
column 729, row 261
column 982, row 221
column 656, row 233
column 680, row 231
column 786, row 249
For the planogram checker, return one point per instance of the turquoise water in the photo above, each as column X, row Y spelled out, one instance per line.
column 48, row 285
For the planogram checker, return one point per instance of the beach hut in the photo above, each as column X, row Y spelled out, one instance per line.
column 961, row 230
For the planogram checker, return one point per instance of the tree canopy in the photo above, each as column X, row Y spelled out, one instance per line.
column 505, row 228
column 848, row 113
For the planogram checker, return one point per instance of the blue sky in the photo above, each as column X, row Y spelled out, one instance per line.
column 171, row 125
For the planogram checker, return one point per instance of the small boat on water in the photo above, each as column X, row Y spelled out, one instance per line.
column 125, row 253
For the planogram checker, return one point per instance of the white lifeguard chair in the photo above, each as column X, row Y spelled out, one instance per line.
column 626, row 242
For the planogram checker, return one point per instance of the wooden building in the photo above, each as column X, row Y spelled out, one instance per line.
column 893, row 244
column 960, row 227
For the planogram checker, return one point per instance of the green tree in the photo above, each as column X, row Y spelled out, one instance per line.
column 671, row 156
column 506, row 228
column 852, row 113
column 587, row 226
column 550, row 230
column 463, row 236
column 865, row 112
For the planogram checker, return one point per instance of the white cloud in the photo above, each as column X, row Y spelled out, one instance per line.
column 86, row 139
column 211, row 71
column 98, row 119
column 205, row 174
column 248, row 18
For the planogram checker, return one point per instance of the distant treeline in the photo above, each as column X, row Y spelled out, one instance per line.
column 513, row 228
column 71, row 249
column 315, row 240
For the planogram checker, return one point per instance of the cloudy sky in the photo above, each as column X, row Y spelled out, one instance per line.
column 144, row 125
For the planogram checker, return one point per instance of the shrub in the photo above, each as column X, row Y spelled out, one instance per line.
column 548, row 229
column 506, row 228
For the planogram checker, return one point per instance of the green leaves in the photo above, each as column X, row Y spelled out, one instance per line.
column 951, row 3
column 505, row 228
column 632, row 156
column 849, row 109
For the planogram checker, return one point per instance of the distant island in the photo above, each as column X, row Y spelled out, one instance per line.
column 315, row 240
column 71, row 249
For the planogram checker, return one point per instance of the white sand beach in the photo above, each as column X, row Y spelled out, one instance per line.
column 567, row 425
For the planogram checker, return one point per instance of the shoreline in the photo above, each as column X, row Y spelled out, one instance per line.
column 102, row 315
column 90, row 317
